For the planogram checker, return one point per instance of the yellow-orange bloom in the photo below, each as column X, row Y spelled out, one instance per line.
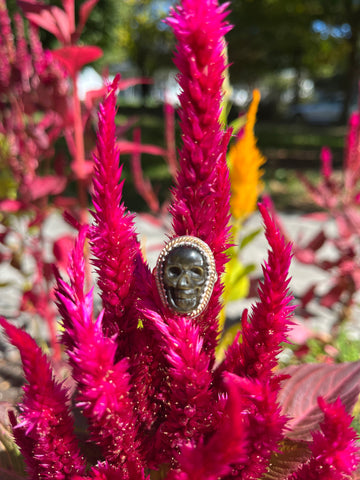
column 245, row 161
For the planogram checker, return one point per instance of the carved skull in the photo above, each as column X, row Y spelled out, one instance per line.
column 185, row 275
column 184, row 278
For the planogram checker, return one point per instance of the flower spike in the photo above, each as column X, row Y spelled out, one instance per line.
column 202, row 194
column 335, row 454
column 45, row 432
column 113, row 238
column 267, row 325
column 103, row 383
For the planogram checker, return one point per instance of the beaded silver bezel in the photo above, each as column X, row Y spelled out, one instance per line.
column 204, row 249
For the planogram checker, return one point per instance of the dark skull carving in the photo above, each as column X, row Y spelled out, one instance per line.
column 184, row 278
column 185, row 275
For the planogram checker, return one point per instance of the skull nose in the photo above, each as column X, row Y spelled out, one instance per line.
column 184, row 280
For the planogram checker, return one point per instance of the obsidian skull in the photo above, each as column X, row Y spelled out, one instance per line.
column 185, row 273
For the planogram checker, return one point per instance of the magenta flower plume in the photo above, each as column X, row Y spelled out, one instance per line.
column 201, row 196
column 254, row 358
column 190, row 411
column 104, row 390
column 352, row 158
column 270, row 318
column 71, row 298
column 214, row 456
column 335, row 454
column 264, row 424
column 114, row 242
column 45, row 432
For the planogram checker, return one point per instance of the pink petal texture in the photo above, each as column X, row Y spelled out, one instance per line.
column 270, row 317
column 113, row 238
column 253, row 359
column 214, row 457
column 103, row 383
column 201, row 196
column 45, row 432
column 124, row 279
column 191, row 399
column 335, row 454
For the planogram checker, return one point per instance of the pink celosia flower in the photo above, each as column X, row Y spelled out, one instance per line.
column 45, row 429
column 269, row 320
column 145, row 377
column 103, row 383
column 202, row 193
column 335, row 454
column 113, row 236
column 326, row 162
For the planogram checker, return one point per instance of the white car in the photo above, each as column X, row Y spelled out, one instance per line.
column 322, row 112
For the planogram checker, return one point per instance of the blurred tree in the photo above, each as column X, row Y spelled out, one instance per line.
column 271, row 35
column 99, row 29
column 342, row 20
column 142, row 38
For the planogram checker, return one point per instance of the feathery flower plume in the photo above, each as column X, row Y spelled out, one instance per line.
column 245, row 161
column 326, row 163
column 125, row 281
column 228, row 446
column 201, row 196
column 103, row 384
column 256, row 355
column 191, row 400
column 113, row 238
column 352, row 159
column 335, row 455
column 45, row 432
column 269, row 320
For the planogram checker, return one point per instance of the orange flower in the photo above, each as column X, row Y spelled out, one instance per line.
column 245, row 161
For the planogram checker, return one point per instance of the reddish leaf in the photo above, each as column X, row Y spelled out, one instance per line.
column 333, row 295
column 299, row 393
column 343, row 226
column 47, row 185
column 317, row 242
column 48, row 17
column 131, row 147
column 308, row 296
column 69, row 8
column 92, row 95
column 65, row 202
column 299, row 333
column 10, row 205
column 74, row 57
column 317, row 216
column 84, row 12
column 129, row 82
column 305, row 255
column 292, row 454
column 61, row 249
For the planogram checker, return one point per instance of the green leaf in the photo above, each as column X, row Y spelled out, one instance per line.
column 236, row 280
column 11, row 461
column 249, row 238
column 238, row 124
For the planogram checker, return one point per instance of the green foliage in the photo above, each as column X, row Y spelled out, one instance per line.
column 8, row 184
column 141, row 37
column 348, row 349
column 11, row 458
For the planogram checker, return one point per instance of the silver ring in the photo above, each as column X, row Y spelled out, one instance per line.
column 197, row 281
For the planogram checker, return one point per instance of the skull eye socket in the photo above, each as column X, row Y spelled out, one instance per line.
column 173, row 271
column 197, row 272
